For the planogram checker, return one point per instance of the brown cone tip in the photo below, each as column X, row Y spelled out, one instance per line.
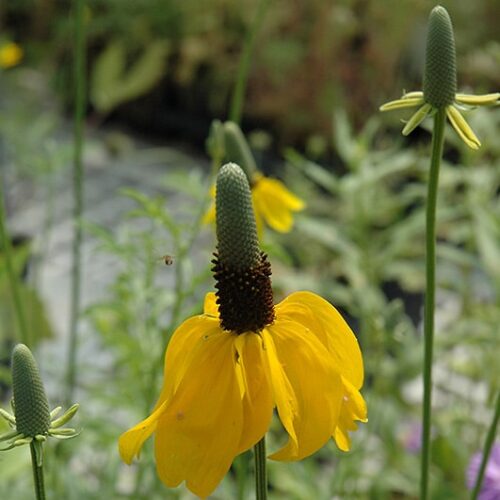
column 244, row 296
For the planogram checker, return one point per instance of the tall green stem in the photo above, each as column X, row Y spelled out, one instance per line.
column 488, row 444
column 430, row 291
column 79, row 57
column 37, row 472
column 260, row 470
column 6, row 245
column 244, row 65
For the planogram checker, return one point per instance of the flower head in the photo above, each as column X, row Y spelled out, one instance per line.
column 440, row 83
column 32, row 421
column 228, row 368
column 273, row 203
column 10, row 55
column 490, row 489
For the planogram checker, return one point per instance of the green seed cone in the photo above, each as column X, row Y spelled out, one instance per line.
column 31, row 407
column 440, row 76
column 238, row 150
column 238, row 245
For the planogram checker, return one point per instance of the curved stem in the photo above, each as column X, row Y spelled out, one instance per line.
column 6, row 245
column 260, row 470
column 244, row 65
column 79, row 51
column 488, row 444
column 430, row 290
column 37, row 472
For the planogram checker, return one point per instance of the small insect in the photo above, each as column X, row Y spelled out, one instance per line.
column 168, row 260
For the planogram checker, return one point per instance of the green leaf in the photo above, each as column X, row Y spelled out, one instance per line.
column 112, row 85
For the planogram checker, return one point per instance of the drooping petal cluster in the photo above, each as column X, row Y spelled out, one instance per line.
column 220, row 389
column 440, row 83
column 462, row 128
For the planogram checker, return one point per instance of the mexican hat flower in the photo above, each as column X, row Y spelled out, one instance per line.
column 227, row 369
column 273, row 203
column 440, row 83
column 32, row 422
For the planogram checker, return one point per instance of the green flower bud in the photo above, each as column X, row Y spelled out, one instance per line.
column 238, row 150
column 31, row 407
column 238, row 245
column 241, row 271
column 440, row 76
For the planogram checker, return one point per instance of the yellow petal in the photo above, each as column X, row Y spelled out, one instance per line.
column 326, row 323
column 180, row 350
column 257, row 397
column 199, row 431
column 404, row 102
column 462, row 127
column 275, row 203
column 177, row 358
column 130, row 442
column 417, row 119
column 353, row 408
column 415, row 93
column 478, row 100
column 209, row 216
column 313, row 393
column 210, row 307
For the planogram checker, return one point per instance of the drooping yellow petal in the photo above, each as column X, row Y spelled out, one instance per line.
column 199, row 431
column 478, row 100
column 275, row 203
column 177, row 358
column 180, row 350
column 130, row 442
column 257, row 399
column 210, row 307
column 353, row 408
column 462, row 127
column 404, row 102
column 326, row 323
column 309, row 402
column 417, row 119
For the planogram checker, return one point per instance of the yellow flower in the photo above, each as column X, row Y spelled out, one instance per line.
column 440, row 83
column 273, row 204
column 10, row 55
column 414, row 99
column 220, row 389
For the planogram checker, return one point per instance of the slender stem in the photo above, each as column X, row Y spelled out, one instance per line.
column 80, row 85
column 6, row 245
column 244, row 65
column 37, row 473
column 488, row 444
column 260, row 470
column 430, row 289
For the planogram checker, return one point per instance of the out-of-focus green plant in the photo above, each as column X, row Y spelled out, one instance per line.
column 113, row 83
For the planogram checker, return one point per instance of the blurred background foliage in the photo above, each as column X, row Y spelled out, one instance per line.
column 172, row 64
column 162, row 70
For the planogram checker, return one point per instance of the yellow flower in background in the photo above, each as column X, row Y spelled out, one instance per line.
column 273, row 204
column 414, row 99
column 10, row 55
column 220, row 389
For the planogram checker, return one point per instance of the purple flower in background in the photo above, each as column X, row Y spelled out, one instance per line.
column 490, row 489
column 412, row 437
